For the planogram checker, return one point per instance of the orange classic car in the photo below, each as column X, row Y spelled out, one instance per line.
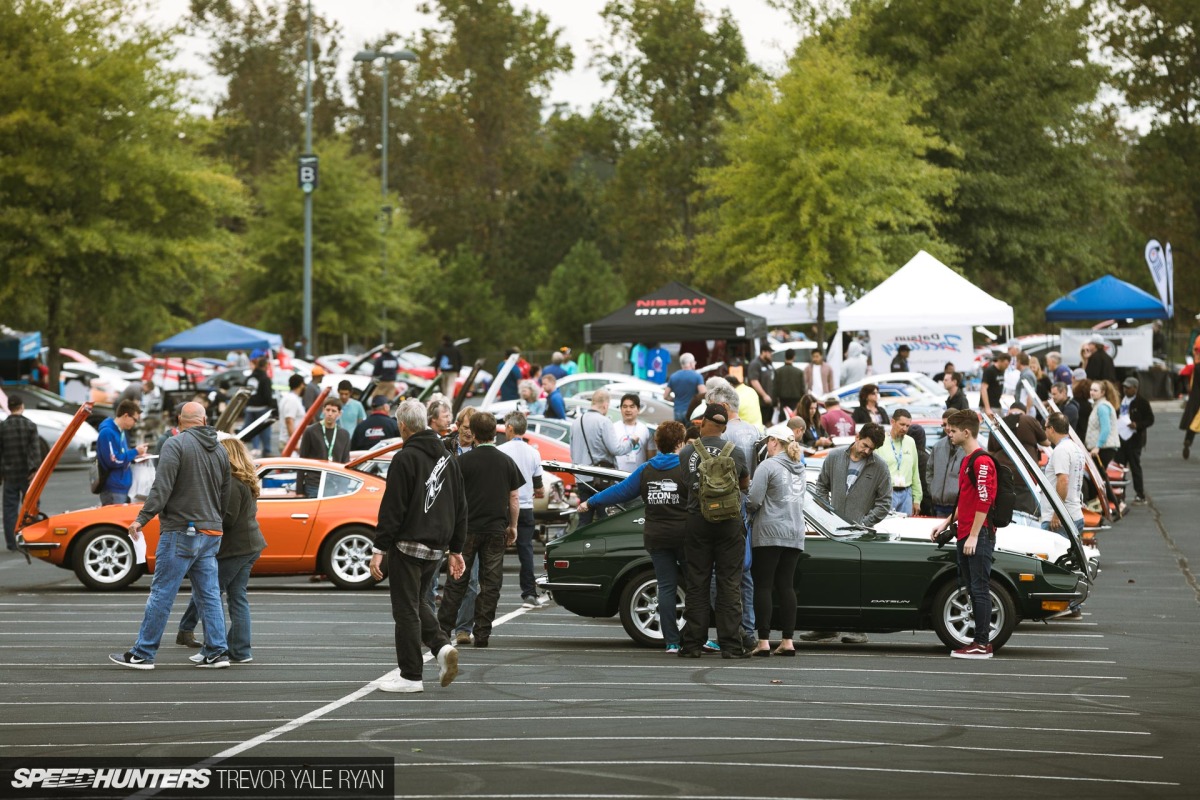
column 330, row 534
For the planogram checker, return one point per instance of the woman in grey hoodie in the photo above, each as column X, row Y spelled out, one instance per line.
column 776, row 500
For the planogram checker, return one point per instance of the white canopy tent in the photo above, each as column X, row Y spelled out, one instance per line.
column 783, row 307
column 927, row 306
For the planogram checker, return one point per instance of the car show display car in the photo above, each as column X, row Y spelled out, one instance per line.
column 850, row 577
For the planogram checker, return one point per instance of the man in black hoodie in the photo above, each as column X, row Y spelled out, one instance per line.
column 422, row 515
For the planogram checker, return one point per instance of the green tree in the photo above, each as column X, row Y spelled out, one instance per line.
column 1157, row 47
column 672, row 67
column 112, row 225
column 584, row 287
column 351, row 293
column 1012, row 88
column 260, row 51
column 467, row 120
column 828, row 183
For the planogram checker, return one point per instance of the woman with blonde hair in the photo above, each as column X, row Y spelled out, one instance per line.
column 1102, row 440
column 776, row 500
column 241, row 544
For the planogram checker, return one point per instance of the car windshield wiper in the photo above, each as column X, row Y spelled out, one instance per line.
column 857, row 528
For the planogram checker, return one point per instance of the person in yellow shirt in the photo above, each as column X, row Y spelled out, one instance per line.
column 900, row 453
column 748, row 409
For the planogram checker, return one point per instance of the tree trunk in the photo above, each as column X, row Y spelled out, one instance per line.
column 53, row 332
column 821, row 317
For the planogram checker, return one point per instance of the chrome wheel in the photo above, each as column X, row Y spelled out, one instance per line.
column 640, row 613
column 349, row 559
column 105, row 560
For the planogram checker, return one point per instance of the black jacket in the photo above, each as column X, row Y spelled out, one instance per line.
column 1141, row 415
column 424, row 500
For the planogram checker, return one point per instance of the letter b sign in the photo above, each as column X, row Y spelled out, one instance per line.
column 307, row 174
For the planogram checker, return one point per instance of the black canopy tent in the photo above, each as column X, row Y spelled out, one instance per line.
column 675, row 313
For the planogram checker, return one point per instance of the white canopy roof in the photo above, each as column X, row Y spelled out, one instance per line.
column 783, row 307
column 924, row 293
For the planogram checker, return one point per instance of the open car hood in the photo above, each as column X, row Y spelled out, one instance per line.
column 585, row 471
column 29, row 507
column 1036, row 479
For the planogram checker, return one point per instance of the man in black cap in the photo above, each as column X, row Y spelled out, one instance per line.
column 378, row 425
column 900, row 362
column 713, row 545
column 1133, row 417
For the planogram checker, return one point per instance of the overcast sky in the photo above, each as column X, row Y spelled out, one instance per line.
column 768, row 35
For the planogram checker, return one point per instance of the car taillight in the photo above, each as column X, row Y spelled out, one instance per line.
column 561, row 564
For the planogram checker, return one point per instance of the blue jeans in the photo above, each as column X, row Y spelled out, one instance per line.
column 14, row 491
column 942, row 511
column 233, row 575
column 974, row 574
column 669, row 565
column 902, row 500
column 179, row 555
column 113, row 499
column 263, row 440
column 525, row 534
column 466, row 612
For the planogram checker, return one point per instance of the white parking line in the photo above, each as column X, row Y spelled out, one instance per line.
column 760, row 768
column 575, row 700
column 457, row 719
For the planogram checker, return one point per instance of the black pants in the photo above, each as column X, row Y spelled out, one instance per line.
column 1130, row 455
column 709, row 545
column 774, row 573
column 410, row 579
column 489, row 549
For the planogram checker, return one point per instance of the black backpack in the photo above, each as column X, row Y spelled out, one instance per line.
column 1006, row 490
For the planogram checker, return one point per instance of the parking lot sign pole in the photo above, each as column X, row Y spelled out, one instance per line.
column 307, row 188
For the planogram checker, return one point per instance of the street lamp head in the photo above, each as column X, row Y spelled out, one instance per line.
column 390, row 55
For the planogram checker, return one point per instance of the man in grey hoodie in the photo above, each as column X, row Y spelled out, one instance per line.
column 858, row 486
column 188, row 497
column 941, row 473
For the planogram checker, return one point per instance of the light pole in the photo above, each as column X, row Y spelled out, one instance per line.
column 307, row 178
column 388, row 56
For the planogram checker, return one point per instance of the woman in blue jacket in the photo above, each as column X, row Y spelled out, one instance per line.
column 658, row 481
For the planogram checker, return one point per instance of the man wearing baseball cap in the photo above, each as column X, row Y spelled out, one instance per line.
column 712, row 545
column 378, row 425
column 1133, row 417
column 900, row 362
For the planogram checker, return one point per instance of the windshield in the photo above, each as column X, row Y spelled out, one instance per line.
column 818, row 512
column 930, row 385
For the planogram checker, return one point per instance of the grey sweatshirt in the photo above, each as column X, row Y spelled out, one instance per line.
column 777, row 501
column 192, row 482
column 941, row 473
column 592, row 434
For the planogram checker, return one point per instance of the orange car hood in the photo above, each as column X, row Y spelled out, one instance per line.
column 29, row 508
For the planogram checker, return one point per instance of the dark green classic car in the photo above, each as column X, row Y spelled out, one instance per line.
column 849, row 578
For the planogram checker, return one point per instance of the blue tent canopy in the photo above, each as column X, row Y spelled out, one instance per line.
column 17, row 345
column 217, row 335
column 1107, row 298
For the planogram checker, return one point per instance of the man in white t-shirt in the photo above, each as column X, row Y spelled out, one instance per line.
column 1065, row 471
column 291, row 409
column 629, row 429
column 529, row 462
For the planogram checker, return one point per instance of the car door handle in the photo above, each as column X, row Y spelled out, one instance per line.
column 299, row 516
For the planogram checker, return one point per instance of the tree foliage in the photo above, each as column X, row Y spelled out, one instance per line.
column 672, row 67
column 1157, row 47
column 350, row 291
column 1013, row 89
column 260, row 51
column 112, row 225
column 829, row 181
column 581, row 289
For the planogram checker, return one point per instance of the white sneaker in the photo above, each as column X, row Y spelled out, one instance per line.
column 528, row 601
column 542, row 599
column 401, row 685
column 447, row 659
column 195, row 658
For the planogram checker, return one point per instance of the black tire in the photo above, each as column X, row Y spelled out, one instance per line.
column 638, row 608
column 952, row 619
column 346, row 558
column 103, row 560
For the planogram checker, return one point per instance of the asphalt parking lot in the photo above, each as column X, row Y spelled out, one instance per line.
column 565, row 707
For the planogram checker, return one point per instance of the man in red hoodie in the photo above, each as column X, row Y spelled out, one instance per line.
column 976, row 533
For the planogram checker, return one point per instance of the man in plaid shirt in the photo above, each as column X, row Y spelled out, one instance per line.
column 20, row 456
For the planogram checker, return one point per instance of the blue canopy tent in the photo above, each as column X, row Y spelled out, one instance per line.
column 1106, row 298
column 217, row 335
